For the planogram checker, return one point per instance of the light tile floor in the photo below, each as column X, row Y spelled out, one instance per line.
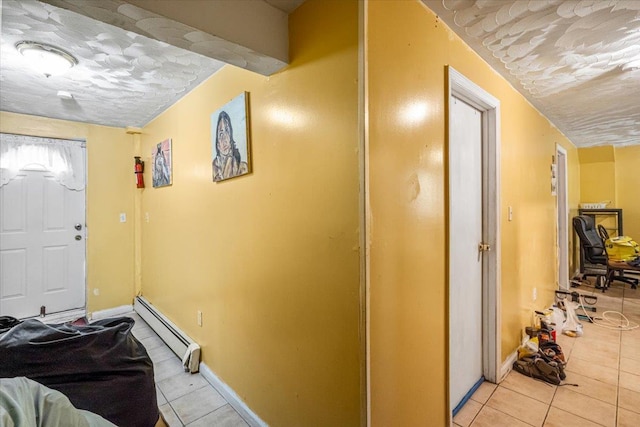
column 184, row 399
column 604, row 363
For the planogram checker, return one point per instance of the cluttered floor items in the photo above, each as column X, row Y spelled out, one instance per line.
column 604, row 362
column 541, row 357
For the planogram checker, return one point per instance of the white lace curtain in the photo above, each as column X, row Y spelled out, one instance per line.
column 63, row 158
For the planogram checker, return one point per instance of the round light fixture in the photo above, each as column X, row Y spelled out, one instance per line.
column 48, row 59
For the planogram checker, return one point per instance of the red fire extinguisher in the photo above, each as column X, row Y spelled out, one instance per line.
column 139, row 169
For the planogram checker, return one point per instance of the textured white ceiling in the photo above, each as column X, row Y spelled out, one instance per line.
column 133, row 64
column 122, row 79
column 577, row 61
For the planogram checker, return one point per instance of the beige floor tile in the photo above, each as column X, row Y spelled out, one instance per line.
column 180, row 384
column 489, row 417
column 630, row 365
column 595, row 332
column 592, row 388
column 592, row 370
column 170, row 417
column 537, row 390
column 632, row 336
column 629, row 399
column 160, row 354
column 608, row 359
column 630, row 353
column 630, row 381
column 167, row 368
column 610, row 348
column 559, row 418
column 223, row 417
column 628, row 418
column 518, row 406
column 631, row 343
column 197, row 404
column 584, row 406
column 465, row 416
column 151, row 342
column 483, row 393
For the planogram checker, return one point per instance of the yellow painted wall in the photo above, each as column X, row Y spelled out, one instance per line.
column 408, row 49
column 598, row 175
column 628, row 188
column 271, row 259
column 109, row 191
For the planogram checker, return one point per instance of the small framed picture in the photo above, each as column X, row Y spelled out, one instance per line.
column 161, row 158
column 230, row 146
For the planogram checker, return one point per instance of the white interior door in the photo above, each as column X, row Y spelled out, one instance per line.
column 465, row 190
column 563, row 219
column 42, row 253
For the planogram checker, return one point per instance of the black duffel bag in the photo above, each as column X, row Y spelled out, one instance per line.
column 100, row 367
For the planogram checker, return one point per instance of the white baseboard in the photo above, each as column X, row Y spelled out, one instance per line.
column 111, row 312
column 234, row 400
column 508, row 365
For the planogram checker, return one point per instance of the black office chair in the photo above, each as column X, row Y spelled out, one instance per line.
column 592, row 248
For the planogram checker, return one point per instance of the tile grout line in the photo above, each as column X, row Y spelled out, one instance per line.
column 619, row 361
column 484, row 404
column 207, row 414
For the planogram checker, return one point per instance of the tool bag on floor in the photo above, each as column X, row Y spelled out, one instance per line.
column 547, row 363
column 537, row 367
column 622, row 248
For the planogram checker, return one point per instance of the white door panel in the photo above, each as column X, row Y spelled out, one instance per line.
column 465, row 216
column 563, row 219
column 42, row 263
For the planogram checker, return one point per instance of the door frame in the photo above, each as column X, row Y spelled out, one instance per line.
column 467, row 91
column 562, row 216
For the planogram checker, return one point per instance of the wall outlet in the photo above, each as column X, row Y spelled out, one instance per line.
column 199, row 318
column 535, row 294
column 123, row 217
column 146, row 216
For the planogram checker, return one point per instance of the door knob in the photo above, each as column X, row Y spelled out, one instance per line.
column 78, row 227
column 78, row 237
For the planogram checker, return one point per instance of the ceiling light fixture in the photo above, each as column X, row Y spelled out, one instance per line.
column 48, row 59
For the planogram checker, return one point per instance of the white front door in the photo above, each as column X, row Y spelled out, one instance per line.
column 465, row 258
column 42, row 245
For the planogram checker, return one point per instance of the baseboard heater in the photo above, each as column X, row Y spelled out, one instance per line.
column 179, row 342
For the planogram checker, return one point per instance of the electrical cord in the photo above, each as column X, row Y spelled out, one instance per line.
column 621, row 324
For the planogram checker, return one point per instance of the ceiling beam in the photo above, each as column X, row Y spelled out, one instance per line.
column 250, row 34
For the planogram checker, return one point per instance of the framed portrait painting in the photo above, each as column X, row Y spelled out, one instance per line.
column 230, row 145
column 161, row 159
